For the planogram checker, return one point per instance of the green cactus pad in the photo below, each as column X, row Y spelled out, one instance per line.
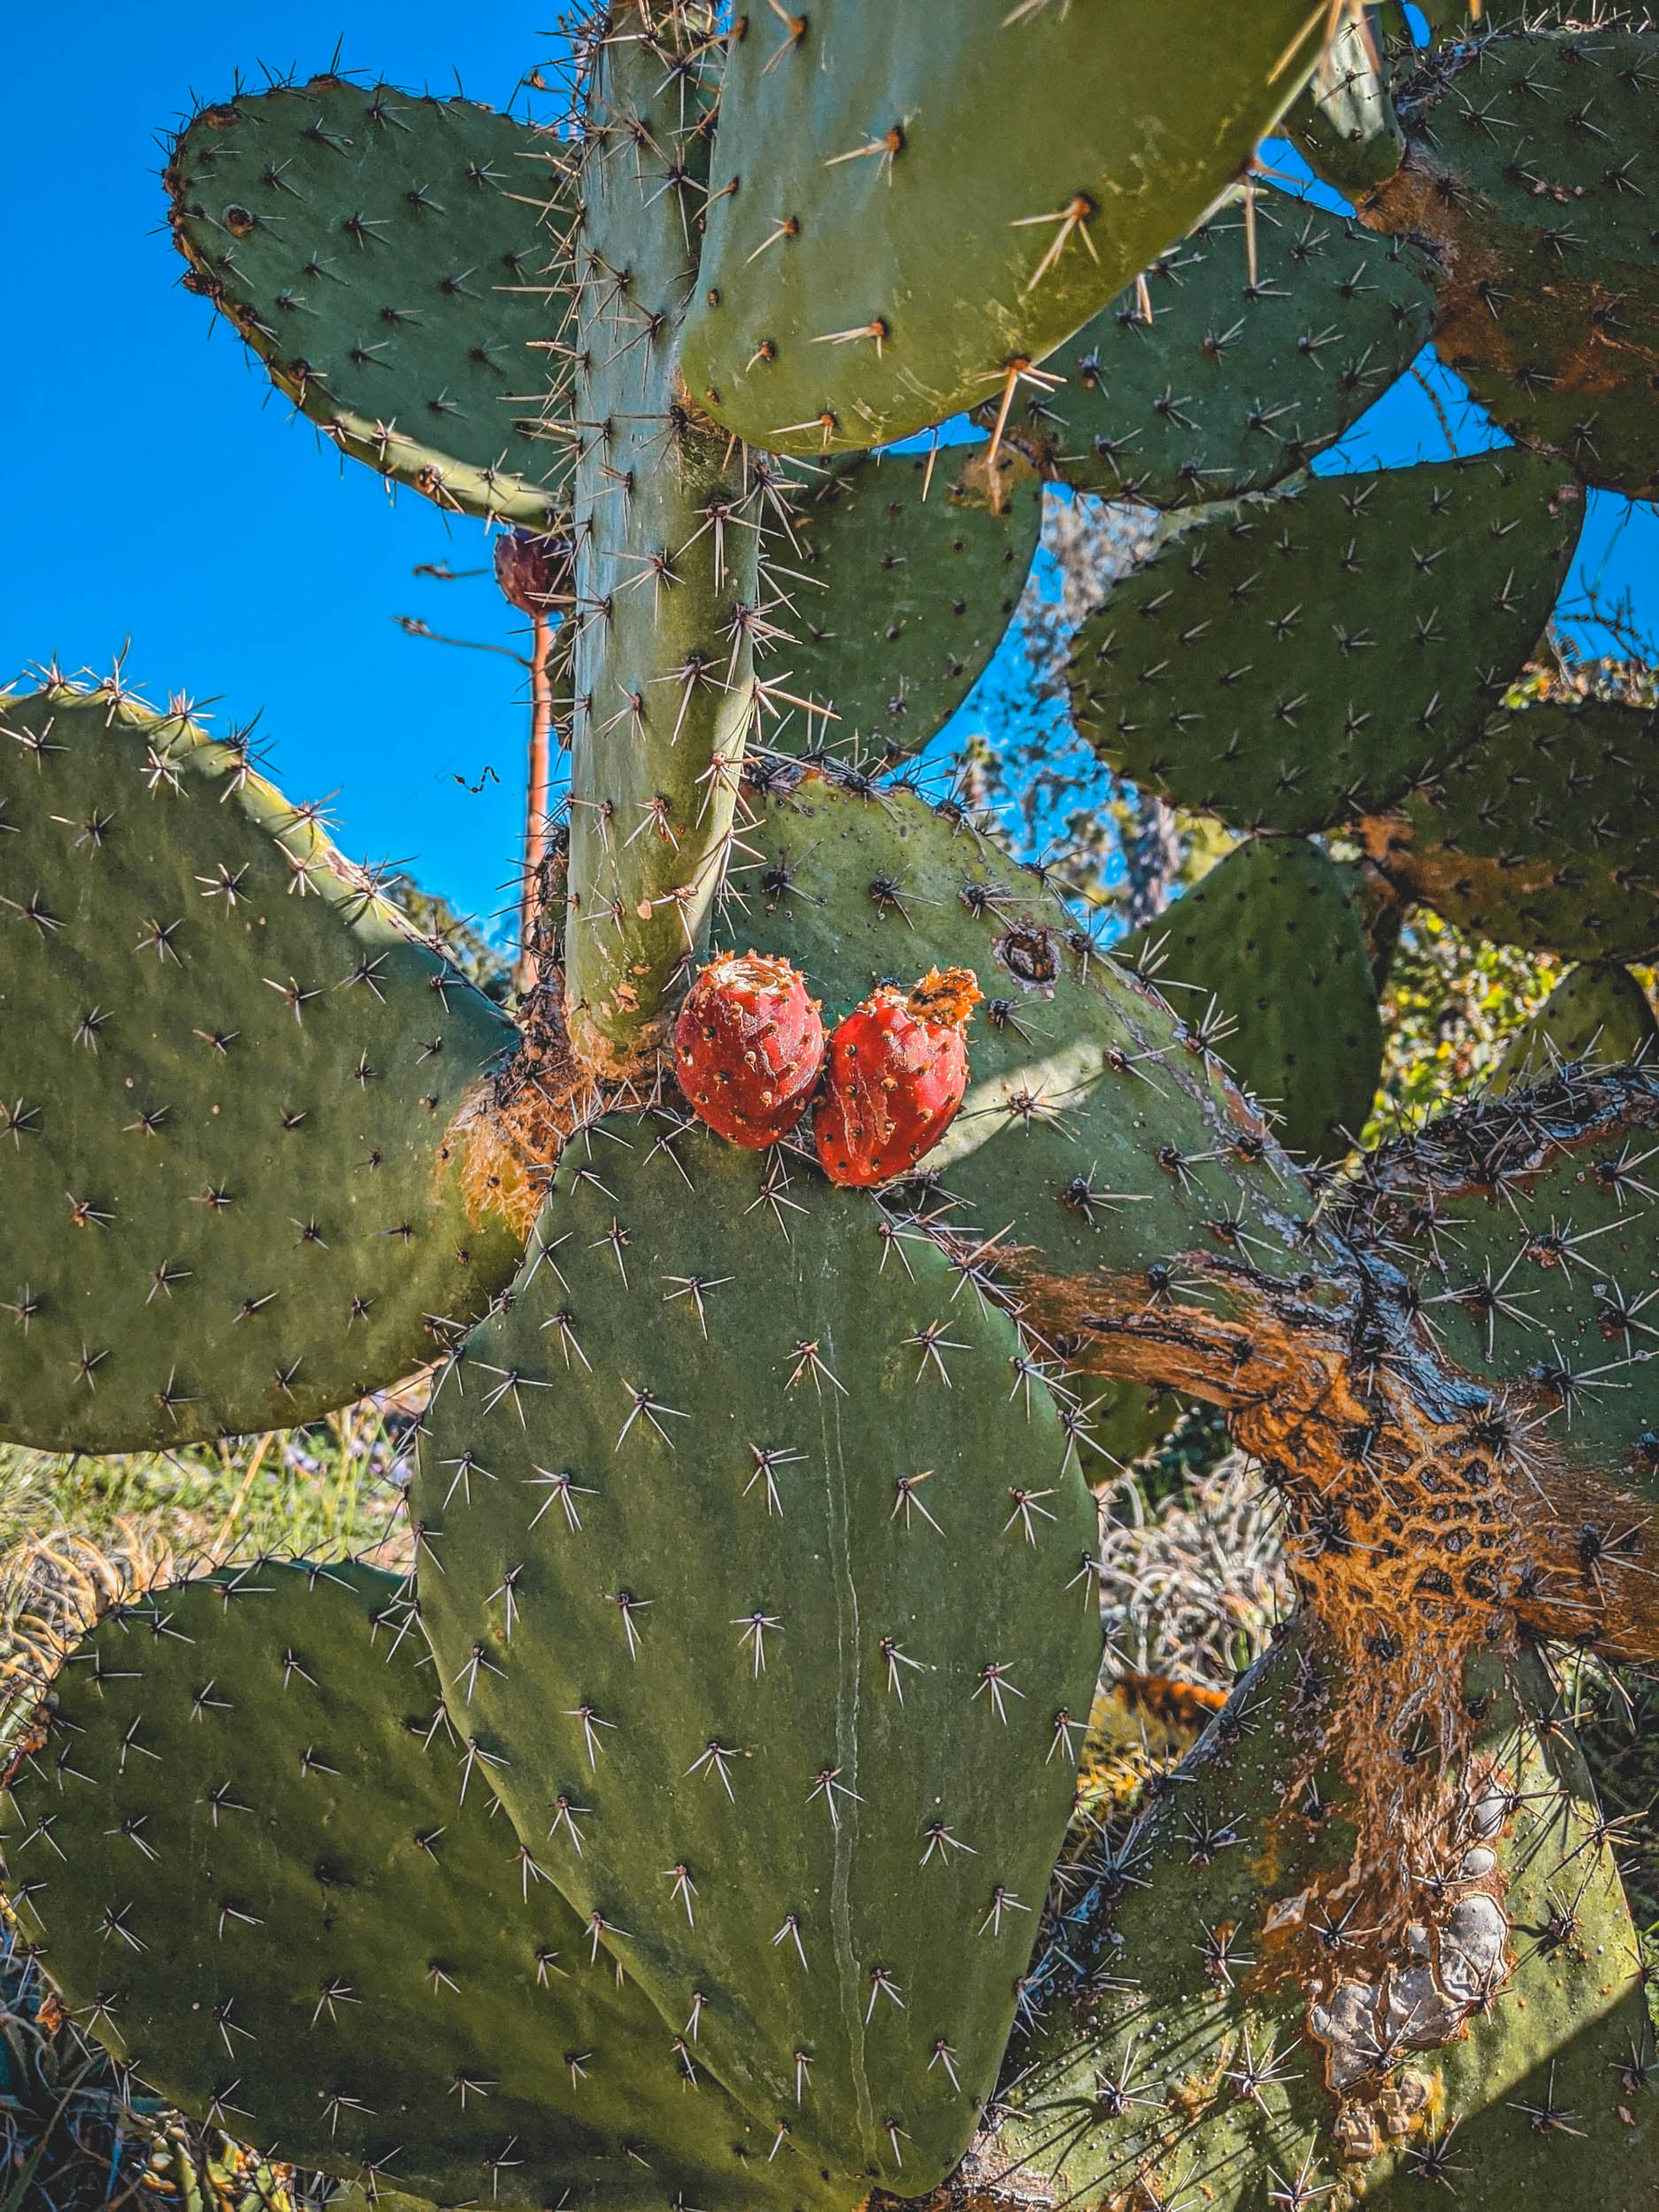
column 1527, row 173
column 1546, row 834
column 1095, row 1119
column 396, row 261
column 1599, row 1013
column 667, row 556
column 1344, row 125
column 1233, row 386
column 794, row 1565
column 231, row 1191
column 1274, row 938
column 964, row 192
column 264, row 1870
column 1289, row 663
column 900, row 582
column 1202, row 2061
column 1535, row 1260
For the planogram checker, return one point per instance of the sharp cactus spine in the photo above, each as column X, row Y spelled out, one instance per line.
column 753, row 1614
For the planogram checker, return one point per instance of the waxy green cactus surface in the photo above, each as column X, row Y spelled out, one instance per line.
column 238, row 1186
column 755, row 1558
column 270, row 1876
column 397, row 261
column 909, row 204
column 1292, row 662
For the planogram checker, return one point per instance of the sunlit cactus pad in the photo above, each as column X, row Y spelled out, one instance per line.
column 755, row 1561
column 393, row 260
column 232, row 1181
column 263, row 1870
column 906, row 201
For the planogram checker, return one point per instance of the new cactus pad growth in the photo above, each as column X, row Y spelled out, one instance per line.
column 748, row 1046
column 898, row 1070
column 689, row 1825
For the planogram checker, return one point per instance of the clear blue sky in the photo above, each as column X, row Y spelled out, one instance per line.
column 163, row 495
column 161, row 492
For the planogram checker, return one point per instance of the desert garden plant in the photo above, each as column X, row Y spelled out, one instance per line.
column 689, row 1826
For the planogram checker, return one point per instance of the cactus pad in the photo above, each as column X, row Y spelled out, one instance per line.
column 1226, row 2045
column 1598, row 1013
column 760, row 1579
column 232, row 1194
column 1527, row 173
column 1546, row 834
column 1273, row 937
column 1233, row 386
column 1099, row 1122
column 906, row 206
column 1530, row 1221
column 265, row 1872
column 901, row 582
column 389, row 259
column 1291, row 662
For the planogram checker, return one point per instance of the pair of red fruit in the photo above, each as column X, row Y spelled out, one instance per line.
column 750, row 1052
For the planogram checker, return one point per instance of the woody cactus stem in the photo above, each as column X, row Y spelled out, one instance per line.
column 531, row 573
column 666, row 556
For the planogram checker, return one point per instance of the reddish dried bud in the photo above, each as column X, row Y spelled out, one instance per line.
column 748, row 1047
column 534, row 573
column 898, row 1067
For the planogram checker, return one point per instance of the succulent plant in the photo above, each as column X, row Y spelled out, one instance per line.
column 690, row 1824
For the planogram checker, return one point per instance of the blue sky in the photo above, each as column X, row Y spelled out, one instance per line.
column 162, row 494
column 164, row 499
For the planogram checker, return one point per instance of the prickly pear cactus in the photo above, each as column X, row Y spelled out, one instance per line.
column 907, row 212
column 1218, row 2011
column 904, row 571
column 1103, row 1121
column 392, row 260
column 759, row 1577
column 1272, row 940
column 1543, row 834
column 1529, row 1223
column 262, row 1864
column 1344, row 125
column 1253, row 346
column 1598, row 1013
column 240, row 1186
column 667, row 581
column 1526, row 177
column 753, row 1612
column 1240, row 670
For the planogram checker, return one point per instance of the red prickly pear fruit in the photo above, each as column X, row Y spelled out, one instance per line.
column 748, row 1046
column 534, row 573
column 898, row 1067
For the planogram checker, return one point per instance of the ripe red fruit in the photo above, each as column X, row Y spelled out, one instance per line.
column 748, row 1047
column 898, row 1066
